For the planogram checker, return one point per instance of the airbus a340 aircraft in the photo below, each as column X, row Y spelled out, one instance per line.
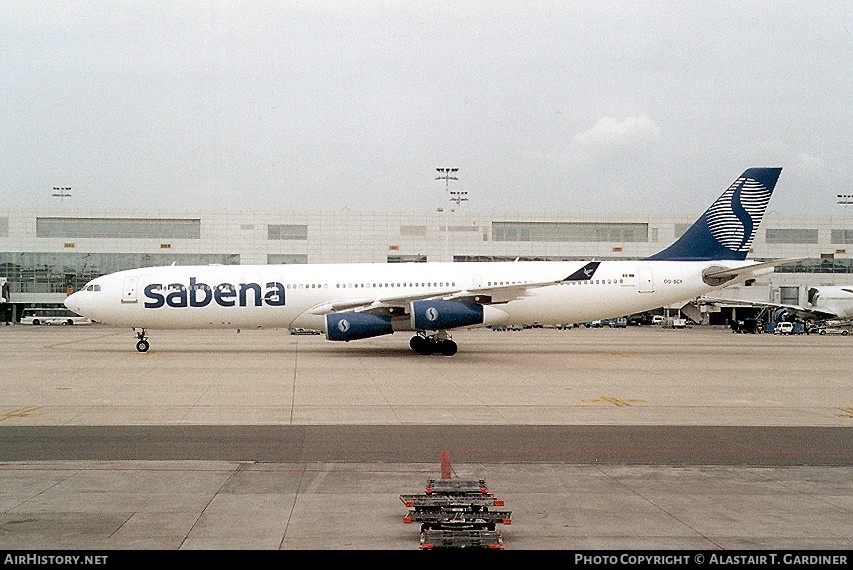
column 825, row 302
column 357, row 301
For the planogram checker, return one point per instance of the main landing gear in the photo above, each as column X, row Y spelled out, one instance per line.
column 438, row 343
column 141, row 345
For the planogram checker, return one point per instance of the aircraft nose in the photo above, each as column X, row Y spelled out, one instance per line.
column 72, row 302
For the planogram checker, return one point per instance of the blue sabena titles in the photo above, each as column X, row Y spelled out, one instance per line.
column 200, row 294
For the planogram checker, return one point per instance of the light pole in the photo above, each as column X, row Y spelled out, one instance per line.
column 458, row 197
column 845, row 200
column 62, row 192
column 446, row 174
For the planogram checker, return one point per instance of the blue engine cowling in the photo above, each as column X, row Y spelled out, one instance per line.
column 353, row 326
column 433, row 315
column 780, row 315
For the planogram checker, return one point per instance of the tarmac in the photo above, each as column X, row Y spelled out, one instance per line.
column 597, row 440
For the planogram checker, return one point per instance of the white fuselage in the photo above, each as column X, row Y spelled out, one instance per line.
column 837, row 300
column 281, row 296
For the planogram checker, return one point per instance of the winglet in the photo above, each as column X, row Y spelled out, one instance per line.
column 584, row 272
column 727, row 228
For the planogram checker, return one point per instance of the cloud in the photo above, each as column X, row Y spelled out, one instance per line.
column 806, row 161
column 609, row 132
column 608, row 142
column 778, row 152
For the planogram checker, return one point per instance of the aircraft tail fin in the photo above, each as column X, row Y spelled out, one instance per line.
column 727, row 228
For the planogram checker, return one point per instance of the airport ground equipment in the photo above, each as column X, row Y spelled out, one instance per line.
column 457, row 513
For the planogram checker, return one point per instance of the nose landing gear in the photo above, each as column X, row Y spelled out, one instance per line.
column 142, row 344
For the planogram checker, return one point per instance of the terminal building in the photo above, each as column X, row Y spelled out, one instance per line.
column 44, row 256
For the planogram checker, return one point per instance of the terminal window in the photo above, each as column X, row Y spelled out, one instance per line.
column 838, row 236
column 287, row 232
column 570, row 231
column 790, row 235
column 155, row 228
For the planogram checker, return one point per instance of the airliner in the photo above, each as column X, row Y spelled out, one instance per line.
column 826, row 302
column 354, row 301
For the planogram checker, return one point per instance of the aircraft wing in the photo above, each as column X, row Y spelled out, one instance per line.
column 488, row 295
column 399, row 305
column 494, row 294
column 809, row 312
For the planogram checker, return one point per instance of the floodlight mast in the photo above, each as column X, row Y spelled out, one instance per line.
column 61, row 192
column 446, row 174
column 845, row 200
column 458, row 197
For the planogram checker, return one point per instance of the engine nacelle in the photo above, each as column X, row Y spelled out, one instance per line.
column 780, row 315
column 432, row 315
column 353, row 326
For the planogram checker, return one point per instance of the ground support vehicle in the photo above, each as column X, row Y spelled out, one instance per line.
column 843, row 327
column 52, row 316
column 748, row 325
column 789, row 328
column 457, row 513
column 486, row 539
column 833, row 330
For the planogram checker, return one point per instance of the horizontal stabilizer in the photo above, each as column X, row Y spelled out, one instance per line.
column 721, row 275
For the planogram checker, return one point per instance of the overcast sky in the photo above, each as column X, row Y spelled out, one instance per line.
column 564, row 106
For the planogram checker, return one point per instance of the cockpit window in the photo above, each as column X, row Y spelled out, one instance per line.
column 92, row 287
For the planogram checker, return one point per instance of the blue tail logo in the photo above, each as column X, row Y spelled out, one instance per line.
column 726, row 229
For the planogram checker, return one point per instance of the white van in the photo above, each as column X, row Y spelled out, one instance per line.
column 658, row 320
column 783, row 328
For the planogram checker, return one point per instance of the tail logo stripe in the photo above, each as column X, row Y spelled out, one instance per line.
column 734, row 218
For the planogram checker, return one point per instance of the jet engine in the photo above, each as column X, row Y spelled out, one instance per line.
column 780, row 315
column 354, row 326
column 433, row 315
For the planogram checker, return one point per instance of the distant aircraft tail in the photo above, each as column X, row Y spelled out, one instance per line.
column 727, row 228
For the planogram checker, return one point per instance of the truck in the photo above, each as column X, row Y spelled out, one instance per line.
column 748, row 325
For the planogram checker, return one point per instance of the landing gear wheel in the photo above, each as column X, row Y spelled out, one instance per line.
column 433, row 344
column 421, row 345
column 141, row 345
column 447, row 347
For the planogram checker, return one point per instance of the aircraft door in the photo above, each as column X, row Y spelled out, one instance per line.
column 646, row 282
column 128, row 291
